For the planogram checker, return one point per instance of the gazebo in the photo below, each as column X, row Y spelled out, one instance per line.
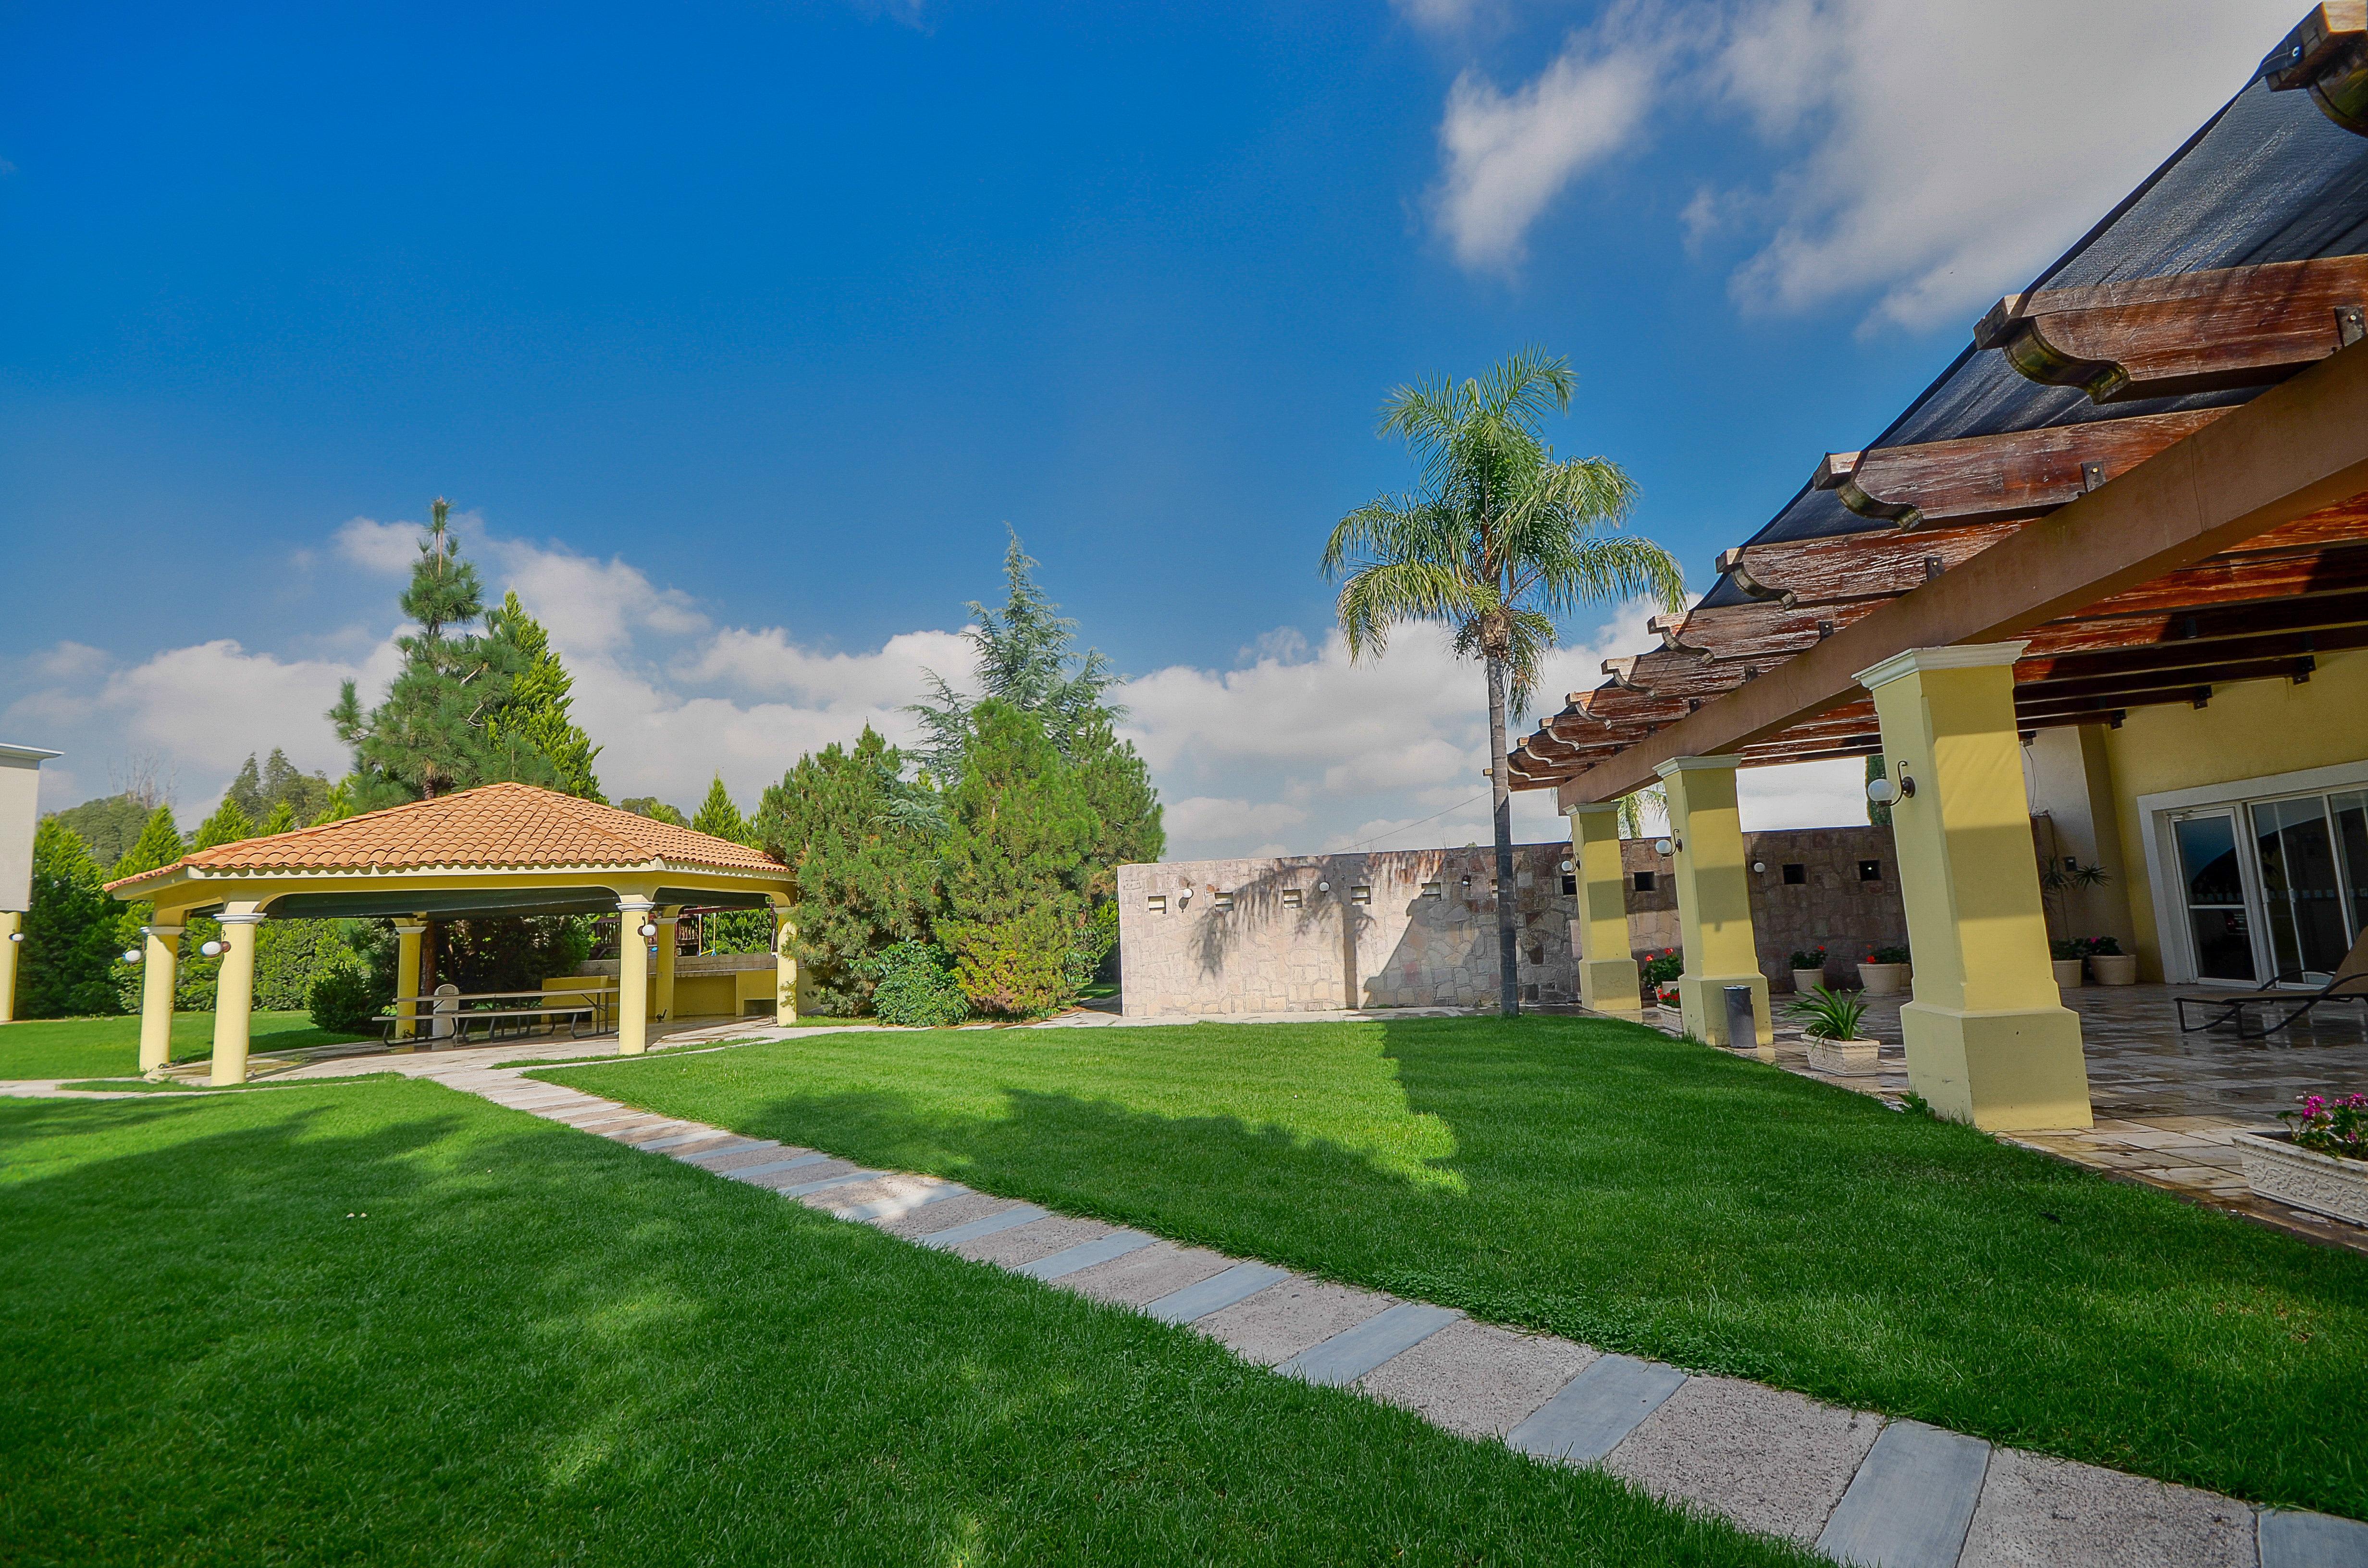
column 501, row 849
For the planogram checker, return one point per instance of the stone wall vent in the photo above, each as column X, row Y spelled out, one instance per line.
column 1157, row 903
column 1360, row 894
column 1291, row 898
column 1434, row 890
column 1224, row 900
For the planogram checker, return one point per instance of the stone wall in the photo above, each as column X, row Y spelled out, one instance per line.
column 1418, row 927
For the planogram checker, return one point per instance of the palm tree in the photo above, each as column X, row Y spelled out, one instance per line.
column 1501, row 540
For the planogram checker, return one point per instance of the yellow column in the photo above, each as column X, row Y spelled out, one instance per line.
column 1714, row 899
column 785, row 964
column 668, row 924
column 234, row 993
column 159, row 959
column 407, row 976
column 633, row 976
column 1989, row 1040
column 1606, row 963
column 11, row 937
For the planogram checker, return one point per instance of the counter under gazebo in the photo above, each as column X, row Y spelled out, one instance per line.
column 500, row 849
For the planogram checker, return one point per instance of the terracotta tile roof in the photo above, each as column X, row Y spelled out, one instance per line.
column 495, row 825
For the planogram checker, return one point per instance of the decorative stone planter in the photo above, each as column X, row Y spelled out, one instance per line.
column 2321, row 1183
column 1844, row 1058
column 1808, row 980
column 2114, row 969
column 2068, row 973
column 1882, row 978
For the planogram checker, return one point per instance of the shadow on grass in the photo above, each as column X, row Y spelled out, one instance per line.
column 1648, row 1195
column 541, row 1346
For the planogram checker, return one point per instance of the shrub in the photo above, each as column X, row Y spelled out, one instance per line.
column 1812, row 959
column 2104, row 948
column 915, row 986
column 1095, row 943
column 2065, row 949
column 72, row 932
column 2337, row 1127
column 1887, row 955
column 289, row 955
column 1830, row 1014
column 1664, row 967
column 343, row 1000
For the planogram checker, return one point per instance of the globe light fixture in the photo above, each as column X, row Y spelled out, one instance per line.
column 1663, row 847
column 211, row 950
column 649, row 928
column 132, row 955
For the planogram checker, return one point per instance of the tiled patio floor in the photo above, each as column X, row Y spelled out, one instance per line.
column 2165, row 1102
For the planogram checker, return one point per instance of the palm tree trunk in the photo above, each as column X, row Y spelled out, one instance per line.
column 1508, row 973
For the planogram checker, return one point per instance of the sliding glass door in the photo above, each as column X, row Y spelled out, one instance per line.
column 2302, row 894
column 2218, row 920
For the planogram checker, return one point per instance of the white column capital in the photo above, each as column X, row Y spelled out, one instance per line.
column 1697, row 765
column 1964, row 656
column 1587, row 808
column 636, row 905
column 161, row 930
column 254, row 917
column 669, row 919
column 410, row 927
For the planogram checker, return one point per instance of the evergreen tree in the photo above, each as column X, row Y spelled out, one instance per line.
column 539, row 701
column 650, row 806
column 279, row 782
column 281, row 820
column 1026, row 657
column 867, row 874
column 337, row 806
column 438, row 730
column 719, row 816
column 1117, row 784
column 158, row 845
column 227, row 825
column 72, row 932
column 1016, row 865
column 108, row 824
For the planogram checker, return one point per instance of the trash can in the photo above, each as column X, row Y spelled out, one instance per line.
column 1742, row 1023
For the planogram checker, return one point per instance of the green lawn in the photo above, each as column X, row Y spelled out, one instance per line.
column 99, row 1048
column 540, row 1347
column 1606, row 1183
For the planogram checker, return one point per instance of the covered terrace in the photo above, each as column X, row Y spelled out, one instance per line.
column 498, row 850
column 2120, row 544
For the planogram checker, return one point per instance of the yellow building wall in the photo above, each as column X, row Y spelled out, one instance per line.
column 2252, row 729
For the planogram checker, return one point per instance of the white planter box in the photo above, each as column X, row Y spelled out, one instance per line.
column 2068, row 973
column 1808, row 980
column 2114, row 969
column 1844, row 1058
column 2320, row 1183
column 1882, row 978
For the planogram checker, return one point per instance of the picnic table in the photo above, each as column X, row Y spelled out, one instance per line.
column 451, row 1013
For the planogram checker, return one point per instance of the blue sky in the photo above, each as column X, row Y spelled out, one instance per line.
column 739, row 333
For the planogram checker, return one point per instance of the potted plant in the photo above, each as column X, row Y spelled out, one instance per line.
column 1661, row 971
column 1884, row 971
column 1808, row 969
column 2108, row 965
column 1830, row 1019
column 2064, row 954
column 2319, row 1163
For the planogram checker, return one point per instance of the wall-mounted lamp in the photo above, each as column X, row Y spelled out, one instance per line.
column 211, row 950
column 649, row 928
column 16, row 936
column 1324, row 887
column 132, row 955
column 1662, row 847
column 1565, row 865
column 1884, row 793
column 1183, row 898
column 1759, row 864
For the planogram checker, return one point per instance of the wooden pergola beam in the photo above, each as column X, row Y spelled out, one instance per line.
column 1842, row 567
column 2239, row 327
column 2017, row 475
column 2297, row 448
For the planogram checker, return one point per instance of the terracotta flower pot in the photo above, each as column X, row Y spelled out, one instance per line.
column 2114, row 969
column 1882, row 978
column 2068, row 973
column 1808, row 980
column 1844, row 1058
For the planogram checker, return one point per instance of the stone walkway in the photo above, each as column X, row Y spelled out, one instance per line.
column 1855, row 1486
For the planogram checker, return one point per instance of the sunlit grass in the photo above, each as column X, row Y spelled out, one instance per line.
column 100, row 1048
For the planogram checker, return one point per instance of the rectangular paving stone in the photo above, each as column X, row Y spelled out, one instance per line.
column 1216, row 1293
column 1772, row 1461
column 1083, row 1254
column 1016, row 1244
column 2037, row 1512
column 1284, row 1319
column 1477, row 1379
column 762, row 1157
column 2290, row 1540
column 675, row 1140
column 1597, row 1408
column 821, row 1183
column 1147, row 1273
column 745, row 1145
column 1910, row 1502
column 639, row 1128
column 796, row 1172
column 770, row 1168
column 1351, row 1353
column 967, row 1229
column 890, row 1198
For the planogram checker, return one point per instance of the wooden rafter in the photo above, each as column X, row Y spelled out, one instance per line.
column 2241, row 326
column 1842, row 567
column 2016, row 476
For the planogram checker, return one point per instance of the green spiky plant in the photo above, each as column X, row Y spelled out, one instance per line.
column 1501, row 540
column 1830, row 1014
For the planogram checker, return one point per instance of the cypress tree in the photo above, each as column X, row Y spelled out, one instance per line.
column 158, row 845
column 540, row 700
column 65, row 966
column 227, row 825
column 438, row 730
column 1015, row 864
column 719, row 816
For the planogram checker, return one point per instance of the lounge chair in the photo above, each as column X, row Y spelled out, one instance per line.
column 2347, row 986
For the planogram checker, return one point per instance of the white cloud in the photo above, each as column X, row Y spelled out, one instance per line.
column 1507, row 154
column 1924, row 165
column 373, row 546
column 1297, row 749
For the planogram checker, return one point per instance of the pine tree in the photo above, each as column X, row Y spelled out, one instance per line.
column 71, row 931
column 246, row 789
column 1016, row 865
column 227, row 825
column 281, row 820
column 539, row 701
column 435, row 730
column 719, row 816
column 650, row 806
column 158, row 845
column 866, row 870
column 1117, row 784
